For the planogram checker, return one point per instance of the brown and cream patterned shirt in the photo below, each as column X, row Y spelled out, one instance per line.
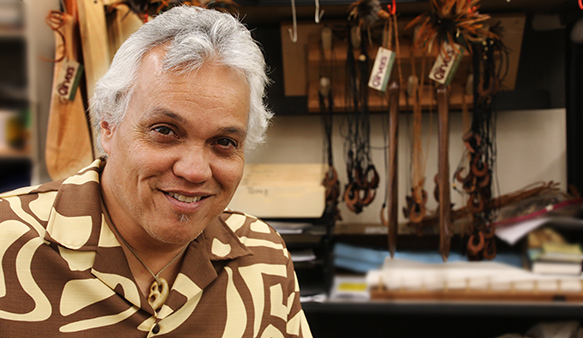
column 64, row 274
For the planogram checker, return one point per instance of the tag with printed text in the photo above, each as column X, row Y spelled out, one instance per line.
column 446, row 64
column 68, row 79
column 381, row 70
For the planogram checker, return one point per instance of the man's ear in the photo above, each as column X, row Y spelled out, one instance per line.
column 106, row 131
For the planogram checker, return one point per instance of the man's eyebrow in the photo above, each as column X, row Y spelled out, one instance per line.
column 234, row 130
column 157, row 111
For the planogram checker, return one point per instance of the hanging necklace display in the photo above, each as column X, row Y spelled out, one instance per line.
column 326, row 99
column 351, row 140
column 159, row 290
column 451, row 26
column 363, row 179
column 475, row 174
column 415, row 209
column 330, row 180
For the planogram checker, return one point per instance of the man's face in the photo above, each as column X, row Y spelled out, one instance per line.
column 176, row 159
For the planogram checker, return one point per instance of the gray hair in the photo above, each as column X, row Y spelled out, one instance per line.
column 194, row 36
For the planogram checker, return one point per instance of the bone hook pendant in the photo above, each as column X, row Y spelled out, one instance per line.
column 158, row 293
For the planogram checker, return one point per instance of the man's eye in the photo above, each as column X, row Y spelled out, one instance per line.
column 163, row 130
column 226, row 142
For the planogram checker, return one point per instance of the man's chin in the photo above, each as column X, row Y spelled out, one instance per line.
column 183, row 218
column 182, row 230
column 175, row 238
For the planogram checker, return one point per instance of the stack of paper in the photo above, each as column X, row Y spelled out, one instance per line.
column 559, row 259
column 398, row 274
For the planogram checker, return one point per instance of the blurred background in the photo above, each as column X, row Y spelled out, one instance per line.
column 353, row 281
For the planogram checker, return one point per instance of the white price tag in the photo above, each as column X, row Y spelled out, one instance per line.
column 446, row 64
column 381, row 70
column 68, row 80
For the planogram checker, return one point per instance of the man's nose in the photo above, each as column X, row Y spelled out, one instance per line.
column 193, row 164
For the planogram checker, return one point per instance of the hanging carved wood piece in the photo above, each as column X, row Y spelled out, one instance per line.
column 392, row 169
column 445, row 219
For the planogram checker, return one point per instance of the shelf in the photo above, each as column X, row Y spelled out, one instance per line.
column 378, row 101
column 511, row 309
column 8, row 153
column 12, row 33
column 309, row 264
column 304, row 62
column 432, row 319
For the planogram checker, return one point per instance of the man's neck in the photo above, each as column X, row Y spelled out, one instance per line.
column 145, row 256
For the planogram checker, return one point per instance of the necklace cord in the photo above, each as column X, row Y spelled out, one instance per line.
column 157, row 275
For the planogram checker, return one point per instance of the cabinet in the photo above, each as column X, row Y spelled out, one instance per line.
column 432, row 319
column 26, row 43
column 314, row 274
column 16, row 151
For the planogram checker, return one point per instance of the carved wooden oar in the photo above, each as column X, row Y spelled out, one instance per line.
column 443, row 172
column 392, row 182
column 69, row 147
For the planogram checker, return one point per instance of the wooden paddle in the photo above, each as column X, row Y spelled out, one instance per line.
column 392, row 175
column 104, row 26
column 445, row 233
column 69, row 146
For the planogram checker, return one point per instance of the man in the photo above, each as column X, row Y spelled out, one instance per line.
column 139, row 243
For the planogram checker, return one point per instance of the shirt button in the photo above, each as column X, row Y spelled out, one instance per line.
column 156, row 328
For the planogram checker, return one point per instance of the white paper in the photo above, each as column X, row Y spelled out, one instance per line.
column 514, row 232
column 281, row 191
column 303, row 255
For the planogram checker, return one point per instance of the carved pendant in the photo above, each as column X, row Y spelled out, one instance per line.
column 158, row 293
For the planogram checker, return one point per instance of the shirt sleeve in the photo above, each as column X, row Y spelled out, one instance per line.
column 297, row 324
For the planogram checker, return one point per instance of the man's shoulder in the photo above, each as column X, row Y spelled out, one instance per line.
column 22, row 203
column 30, row 193
column 27, row 208
column 34, row 203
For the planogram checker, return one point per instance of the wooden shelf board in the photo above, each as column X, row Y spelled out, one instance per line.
column 12, row 32
column 477, row 295
column 378, row 101
column 303, row 67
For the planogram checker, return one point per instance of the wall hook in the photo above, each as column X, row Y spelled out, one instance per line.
column 293, row 34
column 318, row 14
column 392, row 8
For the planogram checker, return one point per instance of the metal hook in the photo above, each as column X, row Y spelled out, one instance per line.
column 293, row 35
column 318, row 14
column 392, row 8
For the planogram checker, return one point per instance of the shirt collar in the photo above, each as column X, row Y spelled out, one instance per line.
column 75, row 219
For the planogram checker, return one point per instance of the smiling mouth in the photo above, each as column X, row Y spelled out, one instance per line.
column 185, row 199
